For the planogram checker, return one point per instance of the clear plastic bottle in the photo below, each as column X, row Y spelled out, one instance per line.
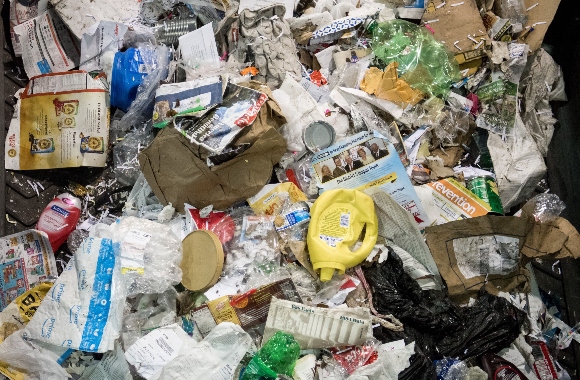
column 59, row 219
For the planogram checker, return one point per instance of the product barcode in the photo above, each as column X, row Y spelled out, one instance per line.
column 344, row 220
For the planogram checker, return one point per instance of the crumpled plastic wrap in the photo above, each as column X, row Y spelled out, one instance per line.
column 424, row 62
column 151, row 311
column 150, row 255
column 450, row 369
column 541, row 83
column 277, row 356
column 547, row 207
column 125, row 155
column 252, row 257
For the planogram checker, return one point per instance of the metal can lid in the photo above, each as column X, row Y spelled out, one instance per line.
column 318, row 135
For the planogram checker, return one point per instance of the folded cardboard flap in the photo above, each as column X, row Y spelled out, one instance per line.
column 557, row 239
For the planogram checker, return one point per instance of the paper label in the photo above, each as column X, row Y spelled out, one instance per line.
column 454, row 202
column 153, row 351
column 481, row 255
column 291, row 219
column 133, row 251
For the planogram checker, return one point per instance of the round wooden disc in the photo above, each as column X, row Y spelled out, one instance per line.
column 203, row 260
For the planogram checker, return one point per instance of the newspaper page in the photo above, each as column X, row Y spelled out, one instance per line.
column 481, row 255
column 215, row 129
column 316, row 327
column 20, row 12
column 63, row 122
column 27, row 260
column 366, row 160
column 47, row 45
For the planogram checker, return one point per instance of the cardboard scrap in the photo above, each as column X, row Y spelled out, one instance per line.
column 491, row 251
column 387, row 85
column 453, row 22
column 539, row 18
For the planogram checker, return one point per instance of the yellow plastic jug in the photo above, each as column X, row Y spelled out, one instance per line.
column 337, row 220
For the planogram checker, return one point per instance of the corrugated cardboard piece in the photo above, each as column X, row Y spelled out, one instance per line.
column 454, row 21
column 544, row 11
column 177, row 171
column 491, row 251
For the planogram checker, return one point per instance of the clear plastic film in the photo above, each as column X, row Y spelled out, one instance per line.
column 450, row 369
column 346, row 360
column 125, row 153
column 252, row 256
column 546, row 207
column 423, row 62
column 148, row 312
column 150, row 255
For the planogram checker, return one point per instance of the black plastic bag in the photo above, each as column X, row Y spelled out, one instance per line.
column 440, row 328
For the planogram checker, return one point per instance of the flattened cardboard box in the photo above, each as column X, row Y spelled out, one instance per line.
column 491, row 251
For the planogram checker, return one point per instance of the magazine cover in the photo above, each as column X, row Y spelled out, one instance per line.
column 217, row 127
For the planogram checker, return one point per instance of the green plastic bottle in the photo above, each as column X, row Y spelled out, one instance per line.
column 277, row 356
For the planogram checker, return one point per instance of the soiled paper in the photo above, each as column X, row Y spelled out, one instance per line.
column 387, row 85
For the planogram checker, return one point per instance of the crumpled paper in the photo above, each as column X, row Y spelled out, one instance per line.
column 518, row 164
column 387, row 85
column 542, row 82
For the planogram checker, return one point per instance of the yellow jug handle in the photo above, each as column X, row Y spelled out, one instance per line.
column 371, row 235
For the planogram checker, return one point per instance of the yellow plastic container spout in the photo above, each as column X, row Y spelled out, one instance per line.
column 337, row 220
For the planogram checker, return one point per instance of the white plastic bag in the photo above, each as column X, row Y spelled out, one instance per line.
column 83, row 310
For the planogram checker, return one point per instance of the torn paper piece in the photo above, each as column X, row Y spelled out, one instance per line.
column 386, row 85
column 199, row 46
column 79, row 15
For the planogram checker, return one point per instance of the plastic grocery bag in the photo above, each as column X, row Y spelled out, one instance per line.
column 83, row 310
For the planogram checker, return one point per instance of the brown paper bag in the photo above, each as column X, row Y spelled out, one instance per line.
column 177, row 171
column 491, row 251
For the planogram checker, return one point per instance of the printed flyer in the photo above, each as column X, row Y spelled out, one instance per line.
column 60, row 129
column 367, row 160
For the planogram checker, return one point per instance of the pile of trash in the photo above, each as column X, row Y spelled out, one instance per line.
column 289, row 190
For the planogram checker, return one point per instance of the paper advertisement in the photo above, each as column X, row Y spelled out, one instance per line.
column 20, row 12
column 215, row 129
column 27, row 260
column 316, row 327
column 178, row 99
column 352, row 165
column 80, row 312
column 272, row 197
column 248, row 310
column 63, row 122
column 47, row 45
column 450, row 201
